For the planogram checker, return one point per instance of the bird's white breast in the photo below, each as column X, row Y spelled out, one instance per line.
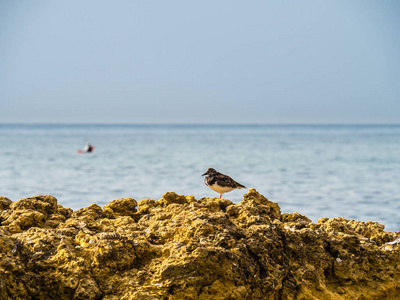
column 221, row 189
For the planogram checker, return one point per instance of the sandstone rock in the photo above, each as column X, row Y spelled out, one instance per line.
column 4, row 203
column 183, row 248
column 121, row 207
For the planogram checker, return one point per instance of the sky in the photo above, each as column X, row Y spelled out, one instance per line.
column 216, row 62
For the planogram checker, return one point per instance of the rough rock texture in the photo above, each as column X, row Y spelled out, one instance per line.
column 183, row 248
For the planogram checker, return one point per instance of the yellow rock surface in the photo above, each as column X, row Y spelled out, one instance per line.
column 182, row 248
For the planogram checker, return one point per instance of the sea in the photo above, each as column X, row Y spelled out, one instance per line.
column 350, row 171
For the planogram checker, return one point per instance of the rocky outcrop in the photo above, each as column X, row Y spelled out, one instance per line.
column 183, row 248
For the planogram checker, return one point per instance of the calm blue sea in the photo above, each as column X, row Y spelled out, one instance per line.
column 317, row 170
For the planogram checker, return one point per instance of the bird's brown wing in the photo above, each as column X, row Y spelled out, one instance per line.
column 225, row 180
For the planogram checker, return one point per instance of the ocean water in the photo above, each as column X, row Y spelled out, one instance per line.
column 351, row 171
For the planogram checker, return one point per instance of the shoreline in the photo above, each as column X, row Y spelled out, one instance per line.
column 180, row 247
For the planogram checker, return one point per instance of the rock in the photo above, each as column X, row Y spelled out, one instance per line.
column 121, row 207
column 33, row 212
column 42, row 203
column 4, row 203
column 183, row 248
column 87, row 290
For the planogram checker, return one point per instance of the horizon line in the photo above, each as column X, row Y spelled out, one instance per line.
column 203, row 124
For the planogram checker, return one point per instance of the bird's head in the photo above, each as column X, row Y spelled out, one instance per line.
column 210, row 172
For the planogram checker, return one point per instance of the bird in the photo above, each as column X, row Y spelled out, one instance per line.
column 219, row 182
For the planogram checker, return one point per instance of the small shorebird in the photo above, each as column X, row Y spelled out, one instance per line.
column 219, row 182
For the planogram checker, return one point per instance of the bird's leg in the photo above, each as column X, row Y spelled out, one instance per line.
column 220, row 196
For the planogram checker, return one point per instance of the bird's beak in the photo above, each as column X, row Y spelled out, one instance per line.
column 204, row 174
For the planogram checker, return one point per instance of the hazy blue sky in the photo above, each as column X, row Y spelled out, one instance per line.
column 200, row 62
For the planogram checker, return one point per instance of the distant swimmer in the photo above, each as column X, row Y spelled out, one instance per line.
column 219, row 182
column 88, row 148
